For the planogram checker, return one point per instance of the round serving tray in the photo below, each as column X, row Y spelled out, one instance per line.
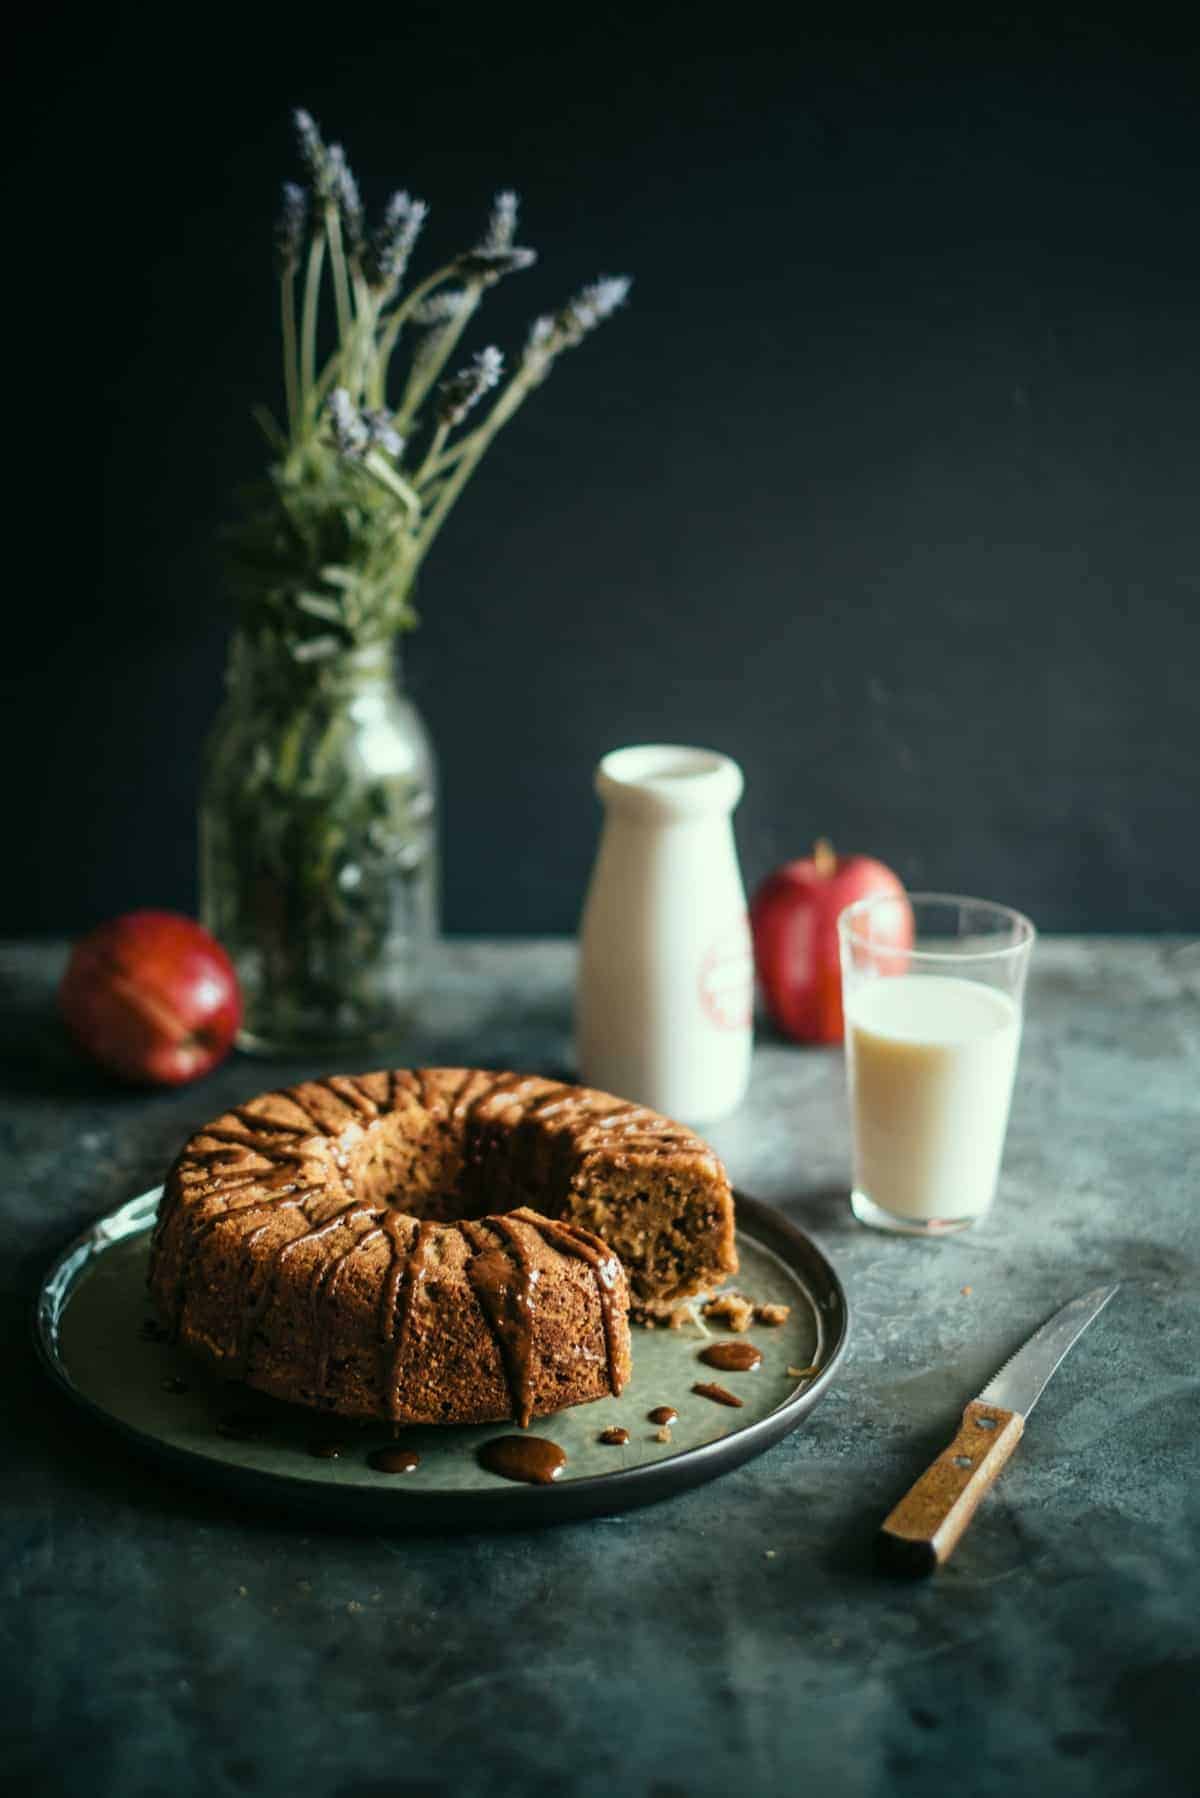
column 99, row 1342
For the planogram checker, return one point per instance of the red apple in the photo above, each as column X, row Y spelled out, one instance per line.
column 794, row 919
column 152, row 997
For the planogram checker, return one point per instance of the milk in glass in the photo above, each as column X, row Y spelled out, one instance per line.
column 931, row 1062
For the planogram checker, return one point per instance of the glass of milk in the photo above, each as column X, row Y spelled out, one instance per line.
column 933, row 988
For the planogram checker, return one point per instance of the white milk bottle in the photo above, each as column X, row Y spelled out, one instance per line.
column 666, row 969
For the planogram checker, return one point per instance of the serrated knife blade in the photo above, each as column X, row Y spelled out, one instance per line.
column 1021, row 1381
column 925, row 1527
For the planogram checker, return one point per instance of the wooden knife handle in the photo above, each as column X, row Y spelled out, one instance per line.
column 925, row 1527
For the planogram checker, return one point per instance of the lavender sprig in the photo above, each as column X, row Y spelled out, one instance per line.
column 441, row 307
column 566, row 329
column 489, row 266
column 290, row 226
column 502, row 225
column 462, row 391
column 592, row 305
column 355, row 432
column 385, row 509
column 314, row 154
column 349, row 204
column 541, row 335
column 382, row 433
column 392, row 241
column 351, row 433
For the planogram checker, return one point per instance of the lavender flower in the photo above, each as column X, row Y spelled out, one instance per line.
column 468, row 386
column 350, row 433
column 581, row 314
column 314, row 153
column 592, row 305
column 540, row 333
column 289, row 230
column 441, row 307
column 489, row 265
column 392, row 241
column 382, row 433
column 356, row 432
column 502, row 225
column 344, row 190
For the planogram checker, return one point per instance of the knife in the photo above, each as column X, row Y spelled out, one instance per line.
column 926, row 1526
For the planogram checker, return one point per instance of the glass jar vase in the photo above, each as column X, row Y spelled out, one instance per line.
column 318, row 846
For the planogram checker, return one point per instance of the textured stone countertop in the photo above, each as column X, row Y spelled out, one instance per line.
column 161, row 1640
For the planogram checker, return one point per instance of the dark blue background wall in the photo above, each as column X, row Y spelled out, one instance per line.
column 886, row 482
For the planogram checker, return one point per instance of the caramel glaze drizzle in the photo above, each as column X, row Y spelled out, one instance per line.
column 229, row 1174
column 497, row 1267
column 732, row 1357
column 394, row 1460
column 569, row 1239
column 323, row 1291
column 197, row 1230
column 251, row 1308
column 503, row 1283
column 529, row 1458
column 351, row 1094
column 720, row 1395
column 255, row 1121
column 400, row 1288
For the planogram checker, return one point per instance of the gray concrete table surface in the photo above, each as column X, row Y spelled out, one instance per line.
column 159, row 1639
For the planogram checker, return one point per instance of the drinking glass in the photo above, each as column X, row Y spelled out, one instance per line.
column 933, row 989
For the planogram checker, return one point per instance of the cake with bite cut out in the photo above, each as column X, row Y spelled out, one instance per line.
column 438, row 1245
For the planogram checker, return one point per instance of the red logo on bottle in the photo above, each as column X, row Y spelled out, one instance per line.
column 727, row 978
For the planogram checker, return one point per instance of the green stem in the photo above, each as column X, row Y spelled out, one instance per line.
column 429, row 464
column 435, row 464
column 291, row 374
column 337, row 264
column 326, row 381
column 341, row 362
column 366, row 314
column 426, row 369
column 308, row 322
column 383, row 471
column 508, row 402
column 395, row 324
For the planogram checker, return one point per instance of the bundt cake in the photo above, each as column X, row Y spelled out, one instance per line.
column 443, row 1245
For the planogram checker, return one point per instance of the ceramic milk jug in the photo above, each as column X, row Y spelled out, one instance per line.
column 666, row 974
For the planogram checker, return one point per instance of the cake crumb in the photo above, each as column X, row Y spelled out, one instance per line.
column 680, row 1317
column 663, row 1435
column 731, row 1308
column 772, row 1314
column 769, row 1554
column 803, row 1373
column 966, row 1291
